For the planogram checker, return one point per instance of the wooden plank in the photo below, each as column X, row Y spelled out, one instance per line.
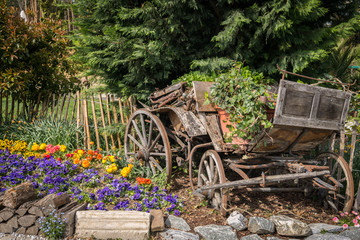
column 74, row 109
column 210, row 122
column 62, row 106
column 37, row 105
column 268, row 179
column 357, row 200
column 342, row 143
column 103, row 122
column 95, row 123
column 352, row 145
column 67, row 107
column 12, row 107
column 109, row 120
column 86, row 118
column 1, row 107
column 55, row 117
column 77, row 116
column 115, row 119
column 6, row 107
column 121, row 112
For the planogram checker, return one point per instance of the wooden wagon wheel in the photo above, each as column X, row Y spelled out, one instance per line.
column 211, row 171
column 146, row 141
column 343, row 197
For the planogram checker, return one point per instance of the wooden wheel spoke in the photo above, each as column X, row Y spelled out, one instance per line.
column 335, row 167
column 143, row 141
column 156, row 163
column 204, row 178
column 152, row 168
column 150, row 132
column 135, row 141
column 157, row 154
column 342, row 180
column 143, row 128
column 154, row 142
column 209, row 173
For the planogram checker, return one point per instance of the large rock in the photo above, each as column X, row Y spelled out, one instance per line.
column 286, row 226
column 216, row 232
column 319, row 227
column 23, row 209
column 171, row 234
column 21, row 230
column 157, row 220
column 251, row 237
column 353, row 234
column 177, row 223
column 112, row 224
column 35, row 210
column 32, row 230
column 261, row 225
column 6, row 214
column 327, row 236
column 13, row 222
column 5, row 228
column 68, row 214
column 27, row 220
column 52, row 202
column 18, row 195
column 237, row 221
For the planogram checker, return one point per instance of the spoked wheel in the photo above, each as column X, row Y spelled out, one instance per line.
column 341, row 197
column 211, row 171
column 147, row 142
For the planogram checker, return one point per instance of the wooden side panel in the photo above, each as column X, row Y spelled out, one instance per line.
column 200, row 88
column 301, row 105
column 211, row 124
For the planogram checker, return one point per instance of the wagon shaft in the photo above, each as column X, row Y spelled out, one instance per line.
column 270, row 179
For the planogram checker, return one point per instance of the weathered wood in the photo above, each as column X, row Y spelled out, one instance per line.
column 18, row 195
column 6, row 107
column 77, row 115
column 342, row 143
column 268, row 179
column 74, row 109
column 86, row 118
column 55, row 117
column 95, row 123
column 37, row 106
column 115, row 119
column 210, row 122
column 52, row 202
column 121, row 112
column 103, row 122
column 352, row 149
column 67, row 107
column 62, row 106
column 109, row 120
column 357, row 200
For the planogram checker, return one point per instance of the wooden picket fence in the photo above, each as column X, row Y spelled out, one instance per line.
column 84, row 110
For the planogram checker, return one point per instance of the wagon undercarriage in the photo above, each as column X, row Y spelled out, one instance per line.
column 179, row 128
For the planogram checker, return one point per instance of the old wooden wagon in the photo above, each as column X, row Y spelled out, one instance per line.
column 179, row 128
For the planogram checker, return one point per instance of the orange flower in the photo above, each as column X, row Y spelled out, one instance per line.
column 76, row 161
column 90, row 152
column 85, row 163
column 147, row 181
column 99, row 156
column 89, row 158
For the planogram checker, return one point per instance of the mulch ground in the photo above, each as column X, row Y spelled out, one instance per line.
column 293, row 204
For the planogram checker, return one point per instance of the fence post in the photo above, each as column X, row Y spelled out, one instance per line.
column 86, row 122
column 95, row 122
column 115, row 119
column 103, row 122
column 109, row 119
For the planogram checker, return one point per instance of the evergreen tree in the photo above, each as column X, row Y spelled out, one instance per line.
column 136, row 46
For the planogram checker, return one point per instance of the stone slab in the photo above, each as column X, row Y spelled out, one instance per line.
column 327, row 236
column 177, row 223
column 252, row 237
column 171, row 234
column 27, row 220
column 261, row 225
column 112, row 224
column 319, row 227
column 353, row 234
column 216, row 232
column 157, row 220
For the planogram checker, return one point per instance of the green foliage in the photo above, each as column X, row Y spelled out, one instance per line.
column 43, row 131
column 196, row 76
column 34, row 57
column 137, row 46
column 238, row 92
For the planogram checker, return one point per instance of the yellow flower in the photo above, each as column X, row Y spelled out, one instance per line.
column 112, row 158
column 114, row 168
column 109, row 169
column 80, row 152
column 130, row 166
column 91, row 143
column 62, row 148
column 35, row 147
column 42, row 146
column 104, row 160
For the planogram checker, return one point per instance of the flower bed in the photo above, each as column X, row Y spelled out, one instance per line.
column 52, row 170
